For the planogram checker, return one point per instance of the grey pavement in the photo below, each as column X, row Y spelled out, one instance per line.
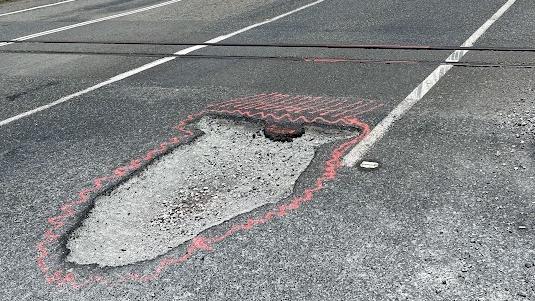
column 448, row 215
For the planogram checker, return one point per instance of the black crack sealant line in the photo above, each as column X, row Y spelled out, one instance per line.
column 284, row 117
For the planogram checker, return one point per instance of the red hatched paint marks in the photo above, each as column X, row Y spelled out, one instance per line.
column 271, row 108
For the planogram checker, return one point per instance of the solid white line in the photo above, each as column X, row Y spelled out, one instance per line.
column 92, row 88
column 151, row 65
column 36, row 7
column 44, row 33
column 360, row 150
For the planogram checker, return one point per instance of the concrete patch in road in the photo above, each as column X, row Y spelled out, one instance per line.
column 180, row 216
column 231, row 169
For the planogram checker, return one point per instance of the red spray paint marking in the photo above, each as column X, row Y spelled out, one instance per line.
column 249, row 107
column 329, row 60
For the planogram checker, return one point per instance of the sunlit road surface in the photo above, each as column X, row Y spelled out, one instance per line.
column 140, row 162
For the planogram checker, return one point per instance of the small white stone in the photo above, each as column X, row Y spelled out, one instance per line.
column 369, row 164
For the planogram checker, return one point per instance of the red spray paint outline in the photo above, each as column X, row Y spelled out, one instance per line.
column 242, row 107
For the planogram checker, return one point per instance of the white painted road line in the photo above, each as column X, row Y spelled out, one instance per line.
column 152, row 64
column 35, row 7
column 358, row 152
column 44, row 33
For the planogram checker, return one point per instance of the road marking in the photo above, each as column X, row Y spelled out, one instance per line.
column 36, row 7
column 44, row 33
column 152, row 64
column 59, row 226
column 358, row 152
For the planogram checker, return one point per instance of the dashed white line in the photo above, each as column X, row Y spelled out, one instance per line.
column 35, row 7
column 51, row 31
column 360, row 150
column 153, row 64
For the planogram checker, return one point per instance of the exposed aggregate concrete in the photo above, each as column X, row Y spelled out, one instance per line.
column 231, row 169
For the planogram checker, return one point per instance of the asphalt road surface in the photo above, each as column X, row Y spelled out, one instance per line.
column 449, row 214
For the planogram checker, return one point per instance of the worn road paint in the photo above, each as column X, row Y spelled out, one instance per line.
column 36, row 7
column 357, row 153
column 153, row 64
column 50, row 249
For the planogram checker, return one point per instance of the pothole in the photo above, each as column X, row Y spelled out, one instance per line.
column 283, row 132
column 230, row 170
